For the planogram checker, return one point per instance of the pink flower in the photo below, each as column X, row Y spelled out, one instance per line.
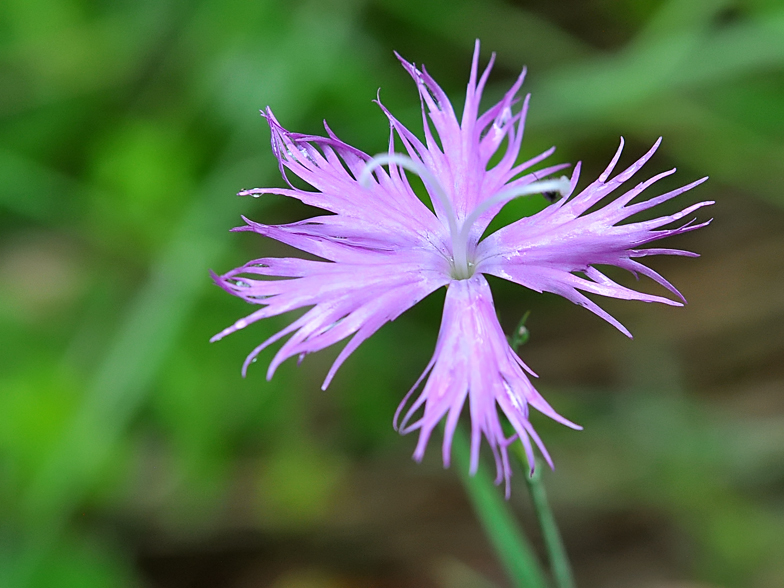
column 385, row 250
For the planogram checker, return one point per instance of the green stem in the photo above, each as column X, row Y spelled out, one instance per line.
column 556, row 553
column 510, row 544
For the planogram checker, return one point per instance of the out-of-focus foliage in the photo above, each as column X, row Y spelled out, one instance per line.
column 132, row 452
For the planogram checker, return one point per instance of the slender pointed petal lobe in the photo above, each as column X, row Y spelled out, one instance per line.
column 381, row 251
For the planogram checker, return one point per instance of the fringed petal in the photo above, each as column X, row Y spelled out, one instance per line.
column 547, row 251
column 473, row 362
column 347, row 299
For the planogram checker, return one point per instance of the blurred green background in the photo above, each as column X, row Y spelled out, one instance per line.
column 132, row 453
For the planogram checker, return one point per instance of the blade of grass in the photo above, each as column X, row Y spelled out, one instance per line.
column 594, row 88
column 153, row 321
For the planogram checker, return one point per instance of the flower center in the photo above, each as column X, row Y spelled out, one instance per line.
column 461, row 267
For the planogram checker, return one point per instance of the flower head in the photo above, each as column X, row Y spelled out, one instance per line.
column 384, row 250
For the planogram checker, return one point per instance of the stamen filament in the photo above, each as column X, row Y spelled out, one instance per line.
column 431, row 183
column 460, row 244
column 459, row 236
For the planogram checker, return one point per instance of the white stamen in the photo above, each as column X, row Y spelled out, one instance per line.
column 460, row 244
column 461, row 269
column 431, row 182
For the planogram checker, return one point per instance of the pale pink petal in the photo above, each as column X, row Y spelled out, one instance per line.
column 473, row 362
column 346, row 299
column 548, row 251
